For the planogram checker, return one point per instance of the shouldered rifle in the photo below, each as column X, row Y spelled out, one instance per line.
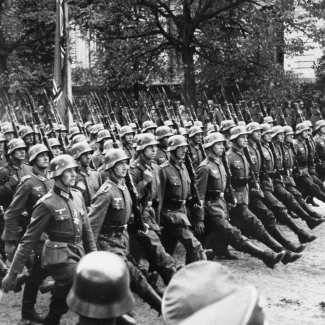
column 145, row 110
column 238, row 110
column 89, row 109
column 76, row 117
column 134, row 118
column 44, row 138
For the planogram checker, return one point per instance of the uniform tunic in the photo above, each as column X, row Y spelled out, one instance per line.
column 97, row 159
column 162, row 155
column 196, row 154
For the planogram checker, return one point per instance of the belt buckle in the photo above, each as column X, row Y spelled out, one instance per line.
column 222, row 194
column 77, row 240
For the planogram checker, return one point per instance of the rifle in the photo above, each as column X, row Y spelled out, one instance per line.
column 134, row 118
column 45, row 139
column 11, row 115
column 238, row 110
column 76, row 117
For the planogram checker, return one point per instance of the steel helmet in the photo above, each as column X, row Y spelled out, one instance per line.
column 176, row 141
column 145, row 140
column 25, row 130
column 108, row 144
column 54, row 142
column 148, row 125
column 113, row 156
column 87, row 124
column 96, row 128
column 63, row 128
column 187, row 124
column 212, row 128
column 276, row 130
column 103, row 134
column 268, row 119
column 198, row 123
column 301, row 127
column 237, row 131
column 16, row 144
column 2, row 138
column 163, row 131
column 183, row 132
column 7, row 128
column 213, row 138
column 80, row 148
column 288, row 130
column 73, row 131
column 308, row 123
column 36, row 150
column 253, row 126
column 133, row 125
column 126, row 129
column 78, row 138
column 242, row 123
column 101, row 287
column 318, row 125
column 135, row 139
column 266, row 128
column 226, row 125
column 194, row 130
column 61, row 163
column 168, row 123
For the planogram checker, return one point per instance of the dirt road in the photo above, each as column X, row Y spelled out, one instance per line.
column 295, row 293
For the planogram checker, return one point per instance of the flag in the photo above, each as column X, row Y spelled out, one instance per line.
column 62, row 70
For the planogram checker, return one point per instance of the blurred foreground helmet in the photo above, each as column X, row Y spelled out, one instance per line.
column 101, row 288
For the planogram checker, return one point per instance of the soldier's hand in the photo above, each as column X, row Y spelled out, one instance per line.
column 13, row 181
column 10, row 249
column 9, row 281
column 81, row 187
column 147, row 176
column 199, row 227
column 142, row 233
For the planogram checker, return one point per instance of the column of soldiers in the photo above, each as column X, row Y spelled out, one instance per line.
column 137, row 192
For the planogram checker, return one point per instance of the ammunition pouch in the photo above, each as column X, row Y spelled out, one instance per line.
column 174, row 204
column 112, row 231
column 239, row 182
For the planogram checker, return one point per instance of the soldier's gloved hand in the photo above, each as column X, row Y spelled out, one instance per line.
column 10, row 249
column 196, row 206
column 9, row 281
column 13, row 181
column 147, row 176
column 81, row 187
column 142, row 233
column 198, row 227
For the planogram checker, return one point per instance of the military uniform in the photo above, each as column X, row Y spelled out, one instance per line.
column 255, row 114
column 211, row 180
column 196, row 154
column 175, row 188
column 3, row 160
column 129, row 150
column 314, row 115
column 29, row 191
column 320, row 148
column 278, row 115
column 109, row 215
column 91, row 180
column 290, row 116
column 97, row 159
column 162, row 155
column 62, row 217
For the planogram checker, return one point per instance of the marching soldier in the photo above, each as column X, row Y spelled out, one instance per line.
column 88, row 181
column 55, row 146
column 8, row 132
column 290, row 115
column 27, row 134
column 62, row 215
column 281, row 193
column 127, row 135
column 98, row 156
column 31, row 188
column 255, row 112
column 319, row 138
column 109, row 215
column 195, row 138
column 145, row 175
column 175, row 189
column 163, row 133
column 211, row 180
column 314, row 114
column 149, row 127
column 101, row 294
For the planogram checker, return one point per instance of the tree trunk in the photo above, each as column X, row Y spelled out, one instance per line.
column 3, row 69
column 189, row 74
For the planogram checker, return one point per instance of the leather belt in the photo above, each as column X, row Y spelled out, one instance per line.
column 73, row 241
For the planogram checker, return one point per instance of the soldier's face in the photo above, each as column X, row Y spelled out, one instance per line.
column 304, row 134
column 68, row 177
column 56, row 151
column 57, row 134
column 42, row 160
column 121, row 168
column 19, row 154
column 322, row 129
column 129, row 138
column 267, row 137
column 242, row 141
column 180, row 152
column 280, row 137
column 29, row 139
column 152, row 131
column 85, row 159
column 9, row 136
column 197, row 138
column 150, row 152
column 288, row 138
column 218, row 148
column 256, row 135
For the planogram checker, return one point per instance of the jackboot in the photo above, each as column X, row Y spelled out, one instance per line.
column 269, row 259
column 305, row 237
column 310, row 200
column 152, row 299
column 278, row 235
column 293, row 215
column 310, row 210
column 224, row 253
column 270, row 242
column 313, row 222
column 46, row 286
column 290, row 257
